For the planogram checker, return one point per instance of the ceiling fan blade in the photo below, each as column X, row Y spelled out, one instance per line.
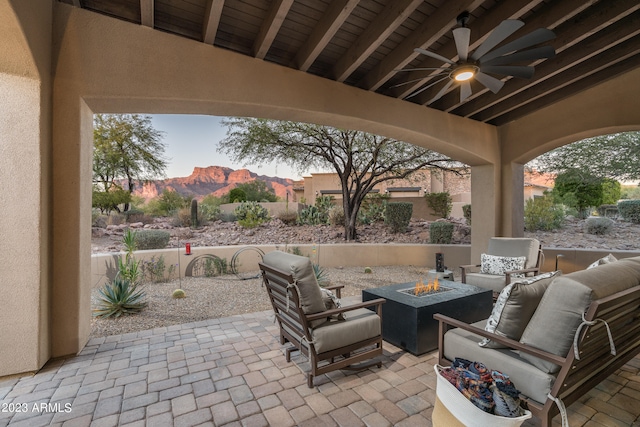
column 420, row 69
column 490, row 82
column 462, row 36
column 540, row 35
column 419, row 91
column 408, row 82
column 525, row 55
column 442, row 92
column 522, row 71
column 465, row 90
column 501, row 32
column 434, row 55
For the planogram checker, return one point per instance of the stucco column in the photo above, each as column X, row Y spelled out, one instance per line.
column 512, row 206
column 485, row 208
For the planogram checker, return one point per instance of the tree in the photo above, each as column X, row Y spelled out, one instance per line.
column 361, row 160
column 126, row 147
column 582, row 188
column 611, row 191
column 614, row 156
column 257, row 191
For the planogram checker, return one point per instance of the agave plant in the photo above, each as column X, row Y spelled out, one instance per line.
column 321, row 275
column 118, row 298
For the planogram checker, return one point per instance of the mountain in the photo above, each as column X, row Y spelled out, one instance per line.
column 216, row 180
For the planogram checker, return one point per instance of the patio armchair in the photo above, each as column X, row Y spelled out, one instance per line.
column 506, row 258
column 331, row 337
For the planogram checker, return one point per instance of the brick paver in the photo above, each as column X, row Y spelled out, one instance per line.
column 232, row 371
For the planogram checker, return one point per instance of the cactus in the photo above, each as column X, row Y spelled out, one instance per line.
column 368, row 270
column 178, row 293
column 194, row 213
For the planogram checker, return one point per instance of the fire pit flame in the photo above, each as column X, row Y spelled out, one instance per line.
column 421, row 288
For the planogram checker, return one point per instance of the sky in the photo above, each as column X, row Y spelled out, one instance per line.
column 192, row 140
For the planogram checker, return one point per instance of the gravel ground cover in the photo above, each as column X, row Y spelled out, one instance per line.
column 222, row 296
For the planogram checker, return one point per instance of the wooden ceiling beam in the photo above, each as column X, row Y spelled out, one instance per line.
column 146, row 13
column 270, row 27
column 329, row 24
column 393, row 15
column 480, row 30
column 549, row 16
column 583, row 49
column 211, row 21
column 623, row 66
column 434, row 27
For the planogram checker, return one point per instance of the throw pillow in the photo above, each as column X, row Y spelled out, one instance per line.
column 605, row 260
column 515, row 306
column 498, row 265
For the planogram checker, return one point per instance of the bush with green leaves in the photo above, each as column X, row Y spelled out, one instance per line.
column 579, row 190
column 108, row 201
column 237, row 195
column 170, row 202
column 540, row 213
column 599, row 225
column 440, row 203
column 441, row 232
column 119, row 298
column 607, row 210
column 611, row 191
column 152, row 239
column 156, row 271
column 398, row 215
column 215, row 266
column 630, row 210
column 288, row 217
column 466, row 211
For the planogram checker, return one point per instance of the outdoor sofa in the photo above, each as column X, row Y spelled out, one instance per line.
column 556, row 336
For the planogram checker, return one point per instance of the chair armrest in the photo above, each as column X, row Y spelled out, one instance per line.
column 516, row 345
column 469, row 267
column 376, row 302
column 337, row 288
column 523, row 271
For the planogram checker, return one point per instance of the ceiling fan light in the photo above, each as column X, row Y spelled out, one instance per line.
column 464, row 73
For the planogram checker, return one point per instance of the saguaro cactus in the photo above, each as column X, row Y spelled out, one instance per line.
column 194, row 213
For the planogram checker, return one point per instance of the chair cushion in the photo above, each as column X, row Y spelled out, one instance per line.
column 302, row 271
column 515, row 306
column 515, row 247
column 559, row 313
column 486, row 281
column 494, row 264
column 359, row 325
column 531, row 381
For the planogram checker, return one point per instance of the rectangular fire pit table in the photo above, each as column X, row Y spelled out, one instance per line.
column 407, row 320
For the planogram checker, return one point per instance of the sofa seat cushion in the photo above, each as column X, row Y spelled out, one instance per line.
column 531, row 381
column 515, row 306
column 302, row 271
column 359, row 325
column 555, row 321
column 487, row 281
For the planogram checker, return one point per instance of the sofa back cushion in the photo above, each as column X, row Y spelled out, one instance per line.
column 302, row 271
column 515, row 306
column 560, row 311
column 515, row 247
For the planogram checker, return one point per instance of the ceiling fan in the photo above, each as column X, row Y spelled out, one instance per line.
column 484, row 60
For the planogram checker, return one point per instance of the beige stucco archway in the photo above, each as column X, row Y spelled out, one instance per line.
column 54, row 80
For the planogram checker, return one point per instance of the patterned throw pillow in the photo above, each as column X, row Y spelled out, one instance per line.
column 493, row 264
column 515, row 306
column 605, row 260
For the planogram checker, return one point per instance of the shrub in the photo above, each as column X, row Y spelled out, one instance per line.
column 237, row 195
column 599, row 225
column 630, row 210
column 336, row 215
column 251, row 214
column 227, row 217
column 182, row 218
column 119, row 297
column 169, row 202
column 398, row 215
column 152, row 239
column 466, row 211
column 440, row 203
column 134, row 215
column 540, row 213
column 440, row 232
column 288, row 217
column 209, row 208
column 215, row 266
column 155, row 269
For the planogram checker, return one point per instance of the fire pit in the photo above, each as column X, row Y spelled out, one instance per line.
column 407, row 316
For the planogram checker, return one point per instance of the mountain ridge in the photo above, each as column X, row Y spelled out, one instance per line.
column 215, row 180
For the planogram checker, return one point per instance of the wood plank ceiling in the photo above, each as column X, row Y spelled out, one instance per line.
column 363, row 43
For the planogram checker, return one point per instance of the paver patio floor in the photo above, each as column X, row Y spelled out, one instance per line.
column 232, row 372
